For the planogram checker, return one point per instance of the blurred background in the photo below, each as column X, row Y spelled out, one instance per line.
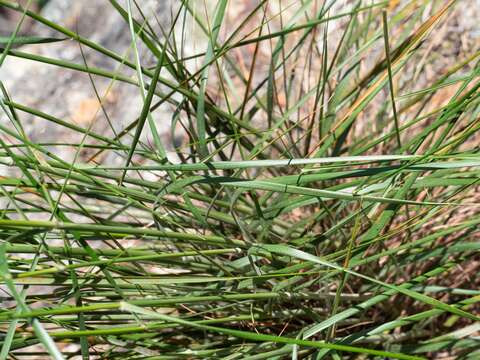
column 71, row 96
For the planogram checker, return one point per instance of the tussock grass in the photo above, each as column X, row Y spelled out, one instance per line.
column 316, row 196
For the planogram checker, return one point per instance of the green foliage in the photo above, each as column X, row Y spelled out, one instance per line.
column 319, row 205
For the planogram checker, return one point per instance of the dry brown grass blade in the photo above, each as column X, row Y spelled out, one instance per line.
column 413, row 41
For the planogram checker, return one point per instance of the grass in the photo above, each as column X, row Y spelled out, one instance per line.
column 322, row 202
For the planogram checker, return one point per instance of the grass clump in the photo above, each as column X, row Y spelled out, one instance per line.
column 312, row 193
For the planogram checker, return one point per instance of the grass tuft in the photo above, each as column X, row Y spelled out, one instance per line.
column 312, row 193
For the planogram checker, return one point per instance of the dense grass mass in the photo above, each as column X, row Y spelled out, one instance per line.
column 310, row 194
